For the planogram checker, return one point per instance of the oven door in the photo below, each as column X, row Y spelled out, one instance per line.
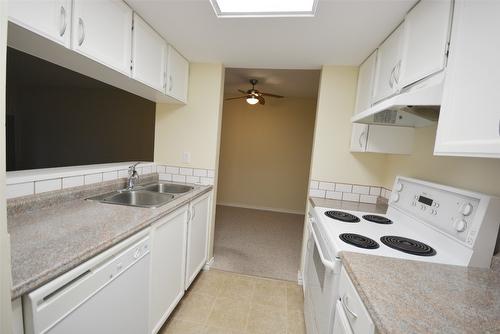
column 341, row 324
column 321, row 281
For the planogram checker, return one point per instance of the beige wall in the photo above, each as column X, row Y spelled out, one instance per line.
column 265, row 154
column 5, row 275
column 332, row 160
column 193, row 127
column 477, row 174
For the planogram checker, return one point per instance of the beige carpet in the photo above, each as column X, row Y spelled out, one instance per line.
column 258, row 243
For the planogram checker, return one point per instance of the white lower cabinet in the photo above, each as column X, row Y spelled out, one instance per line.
column 382, row 139
column 168, row 250
column 351, row 316
column 197, row 237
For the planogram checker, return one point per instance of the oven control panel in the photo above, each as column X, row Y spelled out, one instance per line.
column 452, row 211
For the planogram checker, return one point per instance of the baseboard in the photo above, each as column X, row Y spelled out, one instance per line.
column 209, row 264
column 263, row 208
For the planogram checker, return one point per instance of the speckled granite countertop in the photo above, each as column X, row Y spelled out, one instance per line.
column 47, row 242
column 347, row 205
column 418, row 297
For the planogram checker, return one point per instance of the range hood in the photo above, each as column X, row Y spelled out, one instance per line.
column 415, row 106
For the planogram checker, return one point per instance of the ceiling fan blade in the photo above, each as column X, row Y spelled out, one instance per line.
column 242, row 91
column 261, row 99
column 272, row 95
column 235, row 98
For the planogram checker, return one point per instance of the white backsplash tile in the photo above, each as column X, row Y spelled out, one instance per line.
column 165, row 177
column 93, row 178
column 200, row 172
column 171, row 170
column 210, row 173
column 179, row 178
column 343, row 187
column 375, row 191
column 360, row 189
column 333, row 195
column 313, row 184
column 122, row 173
column 108, row 176
column 160, row 169
column 206, row 181
column 192, row 179
column 326, row 186
column 317, row 193
column 20, row 189
column 47, row 185
column 368, row 199
column 350, row 197
column 185, row 171
column 72, row 181
column 147, row 170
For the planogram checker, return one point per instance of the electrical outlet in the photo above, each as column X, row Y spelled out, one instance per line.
column 186, row 157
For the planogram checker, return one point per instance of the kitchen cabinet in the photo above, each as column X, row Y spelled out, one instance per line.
column 425, row 40
column 102, row 31
column 148, row 55
column 49, row 18
column 366, row 77
column 177, row 75
column 168, row 251
column 197, row 237
column 469, row 120
column 382, row 139
column 388, row 68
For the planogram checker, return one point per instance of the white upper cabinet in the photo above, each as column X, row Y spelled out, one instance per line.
column 102, row 31
column 426, row 34
column 469, row 120
column 388, row 67
column 48, row 18
column 177, row 75
column 366, row 77
column 359, row 135
column 148, row 55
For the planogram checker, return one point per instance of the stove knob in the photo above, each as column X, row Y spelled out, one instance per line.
column 395, row 197
column 460, row 225
column 399, row 187
column 466, row 209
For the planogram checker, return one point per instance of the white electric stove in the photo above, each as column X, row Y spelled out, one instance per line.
column 424, row 222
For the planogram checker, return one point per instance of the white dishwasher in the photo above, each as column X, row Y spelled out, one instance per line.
column 107, row 294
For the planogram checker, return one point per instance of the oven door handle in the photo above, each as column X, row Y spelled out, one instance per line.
column 327, row 263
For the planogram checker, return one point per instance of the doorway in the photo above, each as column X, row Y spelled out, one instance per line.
column 264, row 167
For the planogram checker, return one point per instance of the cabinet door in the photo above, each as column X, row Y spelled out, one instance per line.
column 390, row 139
column 197, row 237
column 366, row 77
column 102, row 31
column 469, row 120
column 426, row 32
column 359, row 136
column 177, row 75
column 48, row 18
column 388, row 65
column 148, row 55
column 168, row 258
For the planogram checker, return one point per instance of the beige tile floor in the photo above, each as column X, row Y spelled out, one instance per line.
column 220, row 302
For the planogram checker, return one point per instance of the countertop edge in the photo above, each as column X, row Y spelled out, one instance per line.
column 46, row 276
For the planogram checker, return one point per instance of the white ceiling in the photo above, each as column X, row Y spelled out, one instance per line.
column 289, row 83
column 343, row 32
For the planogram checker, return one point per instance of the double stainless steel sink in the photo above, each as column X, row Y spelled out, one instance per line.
column 148, row 196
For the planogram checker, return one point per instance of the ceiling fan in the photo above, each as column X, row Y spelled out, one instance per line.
column 253, row 96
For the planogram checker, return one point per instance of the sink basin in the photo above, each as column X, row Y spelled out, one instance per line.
column 141, row 198
column 168, row 188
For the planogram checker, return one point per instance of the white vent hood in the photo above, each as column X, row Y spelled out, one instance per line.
column 416, row 106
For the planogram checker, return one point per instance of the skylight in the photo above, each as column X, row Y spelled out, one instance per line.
column 262, row 8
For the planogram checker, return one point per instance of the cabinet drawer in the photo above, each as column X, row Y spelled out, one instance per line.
column 355, row 310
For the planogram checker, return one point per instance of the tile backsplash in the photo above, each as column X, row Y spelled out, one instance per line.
column 25, row 183
column 348, row 192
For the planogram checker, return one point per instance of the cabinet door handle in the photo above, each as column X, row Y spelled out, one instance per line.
column 344, row 303
column 397, row 72
column 360, row 138
column 63, row 24
column 193, row 212
column 81, row 25
column 188, row 215
column 391, row 78
column 165, row 80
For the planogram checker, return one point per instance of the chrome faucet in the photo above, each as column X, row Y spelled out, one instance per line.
column 133, row 176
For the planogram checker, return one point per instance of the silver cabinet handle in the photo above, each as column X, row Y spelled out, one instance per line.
column 344, row 303
column 391, row 77
column 397, row 72
column 63, row 24
column 82, row 31
column 360, row 138
column 188, row 215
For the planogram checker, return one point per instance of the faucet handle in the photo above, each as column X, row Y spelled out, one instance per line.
column 132, row 167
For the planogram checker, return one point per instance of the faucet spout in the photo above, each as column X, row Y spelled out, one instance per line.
column 133, row 176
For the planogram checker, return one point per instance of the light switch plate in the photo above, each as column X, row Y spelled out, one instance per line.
column 186, row 157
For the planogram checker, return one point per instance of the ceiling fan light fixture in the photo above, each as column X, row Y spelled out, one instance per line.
column 252, row 100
